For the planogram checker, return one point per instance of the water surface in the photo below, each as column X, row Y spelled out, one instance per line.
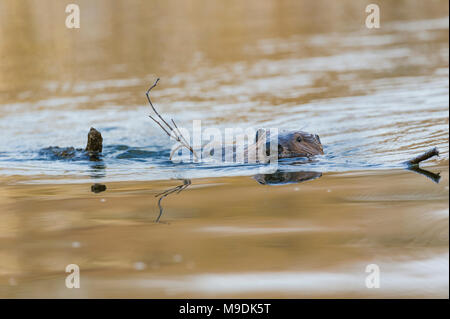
column 376, row 97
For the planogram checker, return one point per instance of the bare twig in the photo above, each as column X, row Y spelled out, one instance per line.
column 185, row 143
column 179, row 133
column 159, row 124
column 175, row 133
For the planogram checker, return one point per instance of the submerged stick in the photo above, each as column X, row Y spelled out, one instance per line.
column 428, row 154
column 177, row 189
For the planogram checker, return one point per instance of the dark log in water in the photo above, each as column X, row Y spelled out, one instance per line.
column 416, row 160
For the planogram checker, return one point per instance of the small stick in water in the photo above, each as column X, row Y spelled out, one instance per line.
column 416, row 160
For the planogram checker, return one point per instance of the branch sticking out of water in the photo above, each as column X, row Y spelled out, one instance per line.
column 175, row 133
column 416, row 160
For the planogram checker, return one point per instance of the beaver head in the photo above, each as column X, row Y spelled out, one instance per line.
column 296, row 144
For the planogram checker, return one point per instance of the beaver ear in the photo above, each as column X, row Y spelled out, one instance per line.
column 259, row 133
column 317, row 138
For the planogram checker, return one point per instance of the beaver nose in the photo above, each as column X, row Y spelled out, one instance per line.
column 321, row 150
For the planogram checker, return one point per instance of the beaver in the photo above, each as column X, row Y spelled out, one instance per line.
column 291, row 143
column 264, row 149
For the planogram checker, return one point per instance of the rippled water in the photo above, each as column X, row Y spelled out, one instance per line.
column 376, row 97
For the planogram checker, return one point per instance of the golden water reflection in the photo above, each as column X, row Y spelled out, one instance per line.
column 229, row 237
column 376, row 97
